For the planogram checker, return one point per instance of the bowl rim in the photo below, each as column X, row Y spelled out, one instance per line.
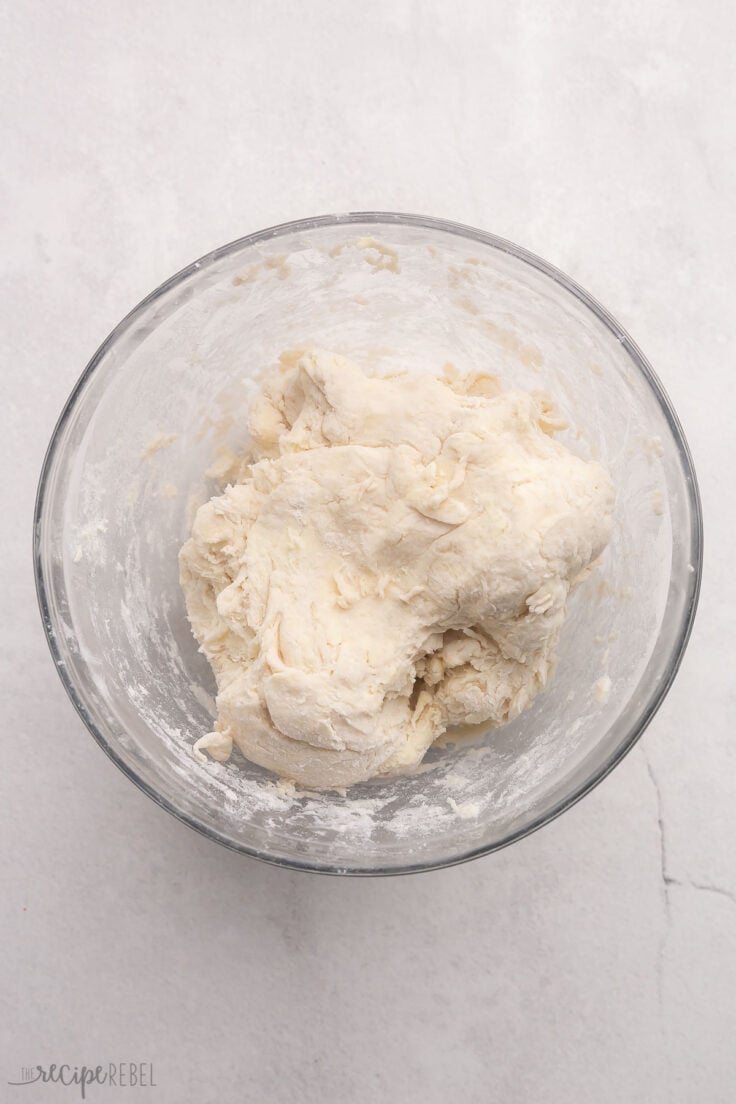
column 379, row 218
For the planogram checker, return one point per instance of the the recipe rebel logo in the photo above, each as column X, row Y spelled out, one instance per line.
column 111, row 1075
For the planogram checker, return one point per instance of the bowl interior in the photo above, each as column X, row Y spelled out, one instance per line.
column 125, row 474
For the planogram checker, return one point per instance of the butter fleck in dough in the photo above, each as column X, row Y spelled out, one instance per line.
column 394, row 556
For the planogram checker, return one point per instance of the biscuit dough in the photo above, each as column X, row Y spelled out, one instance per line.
column 393, row 556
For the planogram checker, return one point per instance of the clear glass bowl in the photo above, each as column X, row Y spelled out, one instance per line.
column 124, row 474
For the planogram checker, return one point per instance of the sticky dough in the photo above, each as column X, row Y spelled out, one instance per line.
column 393, row 556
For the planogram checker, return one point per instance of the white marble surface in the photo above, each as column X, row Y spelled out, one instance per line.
column 595, row 960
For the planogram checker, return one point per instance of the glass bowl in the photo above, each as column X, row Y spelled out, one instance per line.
column 124, row 473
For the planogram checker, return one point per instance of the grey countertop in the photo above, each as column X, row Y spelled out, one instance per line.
column 595, row 960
